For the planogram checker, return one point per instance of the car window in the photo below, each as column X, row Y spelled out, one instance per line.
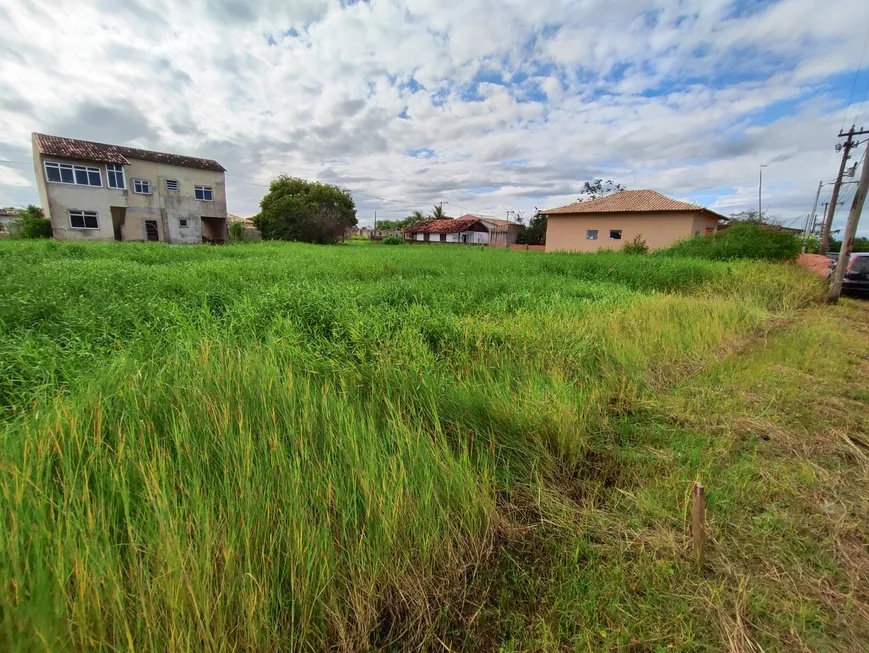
column 860, row 265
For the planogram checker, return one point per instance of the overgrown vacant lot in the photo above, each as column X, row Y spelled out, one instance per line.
column 354, row 448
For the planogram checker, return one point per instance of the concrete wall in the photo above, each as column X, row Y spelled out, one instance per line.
column 167, row 208
column 703, row 223
column 659, row 229
column 503, row 236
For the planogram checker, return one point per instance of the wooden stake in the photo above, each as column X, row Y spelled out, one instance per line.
column 698, row 520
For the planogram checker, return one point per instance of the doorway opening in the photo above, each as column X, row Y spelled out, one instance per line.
column 152, row 233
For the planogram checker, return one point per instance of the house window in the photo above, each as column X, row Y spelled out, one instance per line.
column 142, row 186
column 115, row 175
column 66, row 173
column 182, row 223
column 83, row 220
column 591, row 234
column 172, row 184
column 204, row 193
column 615, row 234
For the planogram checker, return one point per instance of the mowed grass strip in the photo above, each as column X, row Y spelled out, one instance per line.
column 288, row 446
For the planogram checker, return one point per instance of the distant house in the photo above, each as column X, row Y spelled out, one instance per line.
column 250, row 230
column 502, row 233
column 380, row 234
column 470, row 230
column 96, row 191
column 358, row 232
column 7, row 215
column 610, row 222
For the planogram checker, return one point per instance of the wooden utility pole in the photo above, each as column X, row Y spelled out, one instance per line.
column 850, row 232
column 698, row 520
column 810, row 220
column 846, row 150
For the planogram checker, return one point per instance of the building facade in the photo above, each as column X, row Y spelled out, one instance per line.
column 466, row 230
column 8, row 215
column 100, row 192
column 610, row 222
column 502, row 233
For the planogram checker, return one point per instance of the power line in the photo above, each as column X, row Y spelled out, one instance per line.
column 854, row 84
column 463, row 208
column 865, row 96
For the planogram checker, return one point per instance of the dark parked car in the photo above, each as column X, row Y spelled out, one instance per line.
column 856, row 279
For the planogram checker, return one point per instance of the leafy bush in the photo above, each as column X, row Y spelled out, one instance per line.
column 636, row 246
column 236, row 230
column 31, row 225
column 742, row 240
column 393, row 240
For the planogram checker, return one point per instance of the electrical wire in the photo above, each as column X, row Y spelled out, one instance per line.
column 854, row 84
column 865, row 97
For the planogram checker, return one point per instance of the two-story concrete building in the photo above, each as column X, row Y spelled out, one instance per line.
column 95, row 191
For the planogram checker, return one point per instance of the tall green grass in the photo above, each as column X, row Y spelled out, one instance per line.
column 289, row 446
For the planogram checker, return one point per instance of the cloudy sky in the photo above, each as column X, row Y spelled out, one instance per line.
column 485, row 105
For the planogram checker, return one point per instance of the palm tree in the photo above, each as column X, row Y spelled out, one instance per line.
column 437, row 212
column 415, row 218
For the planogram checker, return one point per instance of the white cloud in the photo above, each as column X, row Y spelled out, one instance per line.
column 529, row 97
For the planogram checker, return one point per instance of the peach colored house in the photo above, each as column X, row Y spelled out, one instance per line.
column 610, row 222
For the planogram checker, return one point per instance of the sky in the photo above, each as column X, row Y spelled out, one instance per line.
column 488, row 106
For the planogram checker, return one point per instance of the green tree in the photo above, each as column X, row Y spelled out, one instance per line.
column 535, row 232
column 437, row 213
column 31, row 224
column 861, row 244
column 415, row 218
column 306, row 211
column 599, row 188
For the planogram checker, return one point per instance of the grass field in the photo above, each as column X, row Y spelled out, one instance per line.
column 264, row 447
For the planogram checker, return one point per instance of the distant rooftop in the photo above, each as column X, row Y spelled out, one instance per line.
column 447, row 226
column 628, row 201
column 104, row 153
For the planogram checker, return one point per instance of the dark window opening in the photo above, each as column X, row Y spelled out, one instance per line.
column 152, row 233
column 615, row 234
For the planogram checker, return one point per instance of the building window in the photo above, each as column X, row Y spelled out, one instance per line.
column 615, row 234
column 83, row 220
column 142, row 186
column 182, row 223
column 115, row 174
column 591, row 234
column 172, row 184
column 66, row 173
column 204, row 193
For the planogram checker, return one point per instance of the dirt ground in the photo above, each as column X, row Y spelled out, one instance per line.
column 818, row 264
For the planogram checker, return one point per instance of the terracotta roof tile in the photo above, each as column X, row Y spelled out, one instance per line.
column 103, row 153
column 442, row 226
column 632, row 201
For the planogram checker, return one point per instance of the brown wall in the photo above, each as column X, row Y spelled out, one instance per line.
column 659, row 229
